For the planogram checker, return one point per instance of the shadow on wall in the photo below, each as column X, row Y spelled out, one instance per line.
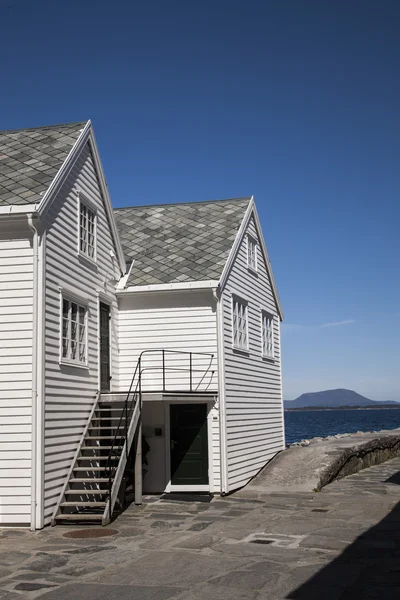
column 369, row 569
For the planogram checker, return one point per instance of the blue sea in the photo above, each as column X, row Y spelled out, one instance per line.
column 306, row 424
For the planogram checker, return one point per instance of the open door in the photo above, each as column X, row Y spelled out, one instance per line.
column 189, row 444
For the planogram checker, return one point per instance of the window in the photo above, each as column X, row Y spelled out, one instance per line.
column 239, row 324
column 251, row 253
column 74, row 327
column 87, row 231
column 267, row 335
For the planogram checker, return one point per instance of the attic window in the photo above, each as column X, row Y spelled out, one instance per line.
column 251, row 253
column 87, row 231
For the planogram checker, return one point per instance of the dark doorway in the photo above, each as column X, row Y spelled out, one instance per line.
column 104, row 347
column 189, row 444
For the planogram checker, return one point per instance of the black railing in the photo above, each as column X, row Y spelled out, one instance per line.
column 121, row 432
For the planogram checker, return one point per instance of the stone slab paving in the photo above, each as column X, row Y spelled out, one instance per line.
column 341, row 543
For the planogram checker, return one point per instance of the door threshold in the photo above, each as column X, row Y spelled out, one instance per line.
column 187, row 496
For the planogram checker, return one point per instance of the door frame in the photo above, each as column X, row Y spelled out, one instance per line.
column 188, row 488
column 104, row 299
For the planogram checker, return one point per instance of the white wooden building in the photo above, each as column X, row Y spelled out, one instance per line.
column 161, row 321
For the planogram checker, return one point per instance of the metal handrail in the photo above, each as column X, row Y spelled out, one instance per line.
column 127, row 412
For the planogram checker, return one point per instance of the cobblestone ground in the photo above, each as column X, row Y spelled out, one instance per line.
column 341, row 543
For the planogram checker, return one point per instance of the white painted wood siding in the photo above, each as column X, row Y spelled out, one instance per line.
column 179, row 321
column 253, row 391
column 16, row 320
column 175, row 321
column 69, row 390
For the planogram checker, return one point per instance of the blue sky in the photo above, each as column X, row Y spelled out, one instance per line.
column 294, row 102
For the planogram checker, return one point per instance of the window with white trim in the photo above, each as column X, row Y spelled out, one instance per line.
column 267, row 326
column 74, row 332
column 239, row 324
column 251, row 253
column 87, row 231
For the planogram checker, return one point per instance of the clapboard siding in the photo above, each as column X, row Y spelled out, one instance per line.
column 173, row 321
column 69, row 390
column 16, row 322
column 253, row 392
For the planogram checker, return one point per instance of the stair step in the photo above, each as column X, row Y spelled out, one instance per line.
column 108, row 418
column 86, row 469
column 79, row 517
column 85, row 492
column 97, row 427
column 89, row 479
column 96, row 447
column 99, row 504
column 103, row 437
column 97, row 458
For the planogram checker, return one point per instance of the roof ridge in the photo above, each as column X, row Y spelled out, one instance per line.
column 41, row 127
column 248, row 198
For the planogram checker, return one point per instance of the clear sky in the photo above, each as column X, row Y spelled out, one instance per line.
column 296, row 102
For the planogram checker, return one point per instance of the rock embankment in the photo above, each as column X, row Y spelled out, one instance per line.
column 309, row 465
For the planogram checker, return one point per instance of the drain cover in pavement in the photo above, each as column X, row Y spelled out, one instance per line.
column 90, row 533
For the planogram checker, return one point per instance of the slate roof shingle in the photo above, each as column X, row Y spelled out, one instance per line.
column 173, row 243
column 31, row 158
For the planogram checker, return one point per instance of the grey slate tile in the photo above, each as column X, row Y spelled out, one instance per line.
column 37, row 154
column 180, row 242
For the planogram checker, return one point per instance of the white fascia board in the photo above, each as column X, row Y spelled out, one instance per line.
column 17, row 209
column 251, row 211
column 267, row 262
column 170, row 287
column 86, row 136
column 64, row 170
column 107, row 202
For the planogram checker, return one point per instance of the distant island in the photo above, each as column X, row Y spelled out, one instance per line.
column 339, row 399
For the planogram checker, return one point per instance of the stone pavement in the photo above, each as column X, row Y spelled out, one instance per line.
column 341, row 543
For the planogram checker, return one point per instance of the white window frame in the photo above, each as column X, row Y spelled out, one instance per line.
column 84, row 202
column 252, row 265
column 267, row 335
column 239, row 303
column 69, row 359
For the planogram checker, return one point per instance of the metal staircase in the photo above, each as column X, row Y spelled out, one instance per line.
column 93, row 483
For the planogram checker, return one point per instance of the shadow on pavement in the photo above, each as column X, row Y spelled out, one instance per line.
column 368, row 569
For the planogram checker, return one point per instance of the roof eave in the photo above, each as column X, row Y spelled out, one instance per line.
column 169, row 287
column 18, row 209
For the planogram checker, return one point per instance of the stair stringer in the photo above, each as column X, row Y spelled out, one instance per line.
column 61, row 498
column 111, row 500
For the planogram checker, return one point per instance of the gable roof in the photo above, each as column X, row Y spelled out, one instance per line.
column 173, row 243
column 31, row 158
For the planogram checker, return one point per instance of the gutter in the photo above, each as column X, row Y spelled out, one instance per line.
column 221, row 390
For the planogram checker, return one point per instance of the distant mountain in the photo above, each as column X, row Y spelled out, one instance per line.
column 332, row 399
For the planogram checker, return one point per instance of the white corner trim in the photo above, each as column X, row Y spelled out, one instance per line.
column 224, row 483
column 251, row 211
column 167, row 287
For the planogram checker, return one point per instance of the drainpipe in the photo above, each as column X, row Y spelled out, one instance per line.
column 35, row 244
column 221, row 389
